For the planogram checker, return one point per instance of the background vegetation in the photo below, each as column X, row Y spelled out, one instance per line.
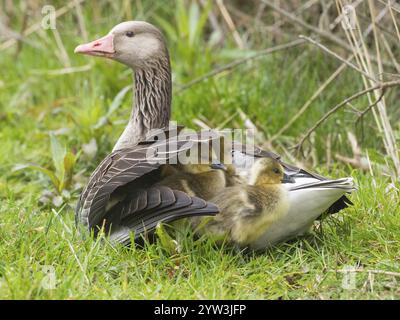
column 60, row 115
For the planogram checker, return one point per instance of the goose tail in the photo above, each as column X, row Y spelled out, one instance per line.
column 308, row 198
column 329, row 195
column 345, row 184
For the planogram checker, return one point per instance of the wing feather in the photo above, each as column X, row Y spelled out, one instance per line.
column 111, row 196
column 172, row 205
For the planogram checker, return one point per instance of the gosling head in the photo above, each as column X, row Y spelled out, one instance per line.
column 268, row 171
column 136, row 44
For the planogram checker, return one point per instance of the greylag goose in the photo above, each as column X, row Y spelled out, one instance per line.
column 121, row 190
column 247, row 211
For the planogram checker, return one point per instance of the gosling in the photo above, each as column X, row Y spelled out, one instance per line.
column 247, row 210
column 199, row 180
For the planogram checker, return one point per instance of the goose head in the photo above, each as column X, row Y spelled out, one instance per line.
column 136, row 44
column 268, row 171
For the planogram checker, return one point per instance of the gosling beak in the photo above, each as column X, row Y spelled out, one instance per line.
column 287, row 179
column 218, row 166
column 103, row 47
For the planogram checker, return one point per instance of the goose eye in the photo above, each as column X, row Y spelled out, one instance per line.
column 276, row 170
column 129, row 34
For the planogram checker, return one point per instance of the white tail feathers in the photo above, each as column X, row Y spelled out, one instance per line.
column 308, row 199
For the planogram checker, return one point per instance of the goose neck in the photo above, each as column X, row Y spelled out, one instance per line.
column 152, row 102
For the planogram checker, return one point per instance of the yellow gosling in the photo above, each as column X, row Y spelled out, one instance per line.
column 246, row 211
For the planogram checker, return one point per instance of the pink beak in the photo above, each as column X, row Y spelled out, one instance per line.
column 103, row 47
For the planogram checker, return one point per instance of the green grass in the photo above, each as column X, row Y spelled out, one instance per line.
column 269, row 90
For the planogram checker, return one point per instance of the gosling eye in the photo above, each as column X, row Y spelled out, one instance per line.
column 129, row 34
column 276, row 170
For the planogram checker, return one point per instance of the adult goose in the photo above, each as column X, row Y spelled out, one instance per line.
column 121, row 190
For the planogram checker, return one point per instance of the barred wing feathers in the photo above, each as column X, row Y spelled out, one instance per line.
column 112, row 198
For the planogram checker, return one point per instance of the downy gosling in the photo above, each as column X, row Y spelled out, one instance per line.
column 247, row 210
column 200, row 180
